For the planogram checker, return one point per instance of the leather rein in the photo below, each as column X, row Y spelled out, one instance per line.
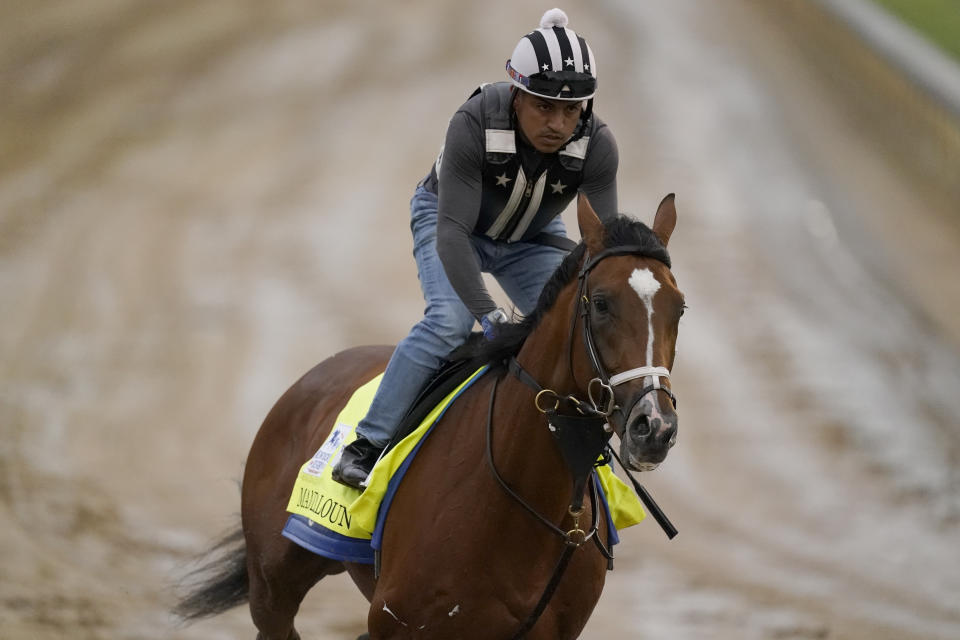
column 583, row 433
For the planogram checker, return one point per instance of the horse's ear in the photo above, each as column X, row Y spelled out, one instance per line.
column 666, row 219
column 591, row 229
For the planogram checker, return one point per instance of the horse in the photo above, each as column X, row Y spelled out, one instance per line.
column 484, row 537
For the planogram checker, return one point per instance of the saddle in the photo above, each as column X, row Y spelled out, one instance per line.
column 450, row 376
column 346, row 524
column 342, row 522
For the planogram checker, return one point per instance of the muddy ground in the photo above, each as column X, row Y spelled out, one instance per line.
column 200, row 201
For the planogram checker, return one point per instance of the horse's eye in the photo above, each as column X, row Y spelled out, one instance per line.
column 600, row 304
column 682, row 309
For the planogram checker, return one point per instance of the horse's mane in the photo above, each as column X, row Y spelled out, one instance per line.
column 619, row 231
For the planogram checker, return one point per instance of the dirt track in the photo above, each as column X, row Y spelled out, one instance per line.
column 197, row 203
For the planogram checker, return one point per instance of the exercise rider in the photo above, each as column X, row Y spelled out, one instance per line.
column 516, row 153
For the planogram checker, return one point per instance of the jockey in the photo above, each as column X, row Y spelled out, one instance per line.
column 516, row 153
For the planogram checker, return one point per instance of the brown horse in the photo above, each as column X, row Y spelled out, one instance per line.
column 483, row 539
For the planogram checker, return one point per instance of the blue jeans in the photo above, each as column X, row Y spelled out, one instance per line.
column 521, row 269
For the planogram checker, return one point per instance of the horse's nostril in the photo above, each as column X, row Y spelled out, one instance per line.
column 642, row 426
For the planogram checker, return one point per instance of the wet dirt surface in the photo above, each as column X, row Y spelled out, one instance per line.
column 199, row 202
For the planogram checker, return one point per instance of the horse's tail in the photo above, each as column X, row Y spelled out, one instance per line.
column 220, row 583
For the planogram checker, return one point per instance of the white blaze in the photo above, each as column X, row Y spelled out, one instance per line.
column 646, row 286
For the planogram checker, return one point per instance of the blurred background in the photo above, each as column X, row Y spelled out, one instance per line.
column 199, row 201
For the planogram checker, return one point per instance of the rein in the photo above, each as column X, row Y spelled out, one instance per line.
column 583, row 436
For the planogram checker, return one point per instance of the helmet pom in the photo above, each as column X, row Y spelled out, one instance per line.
column 554, row 18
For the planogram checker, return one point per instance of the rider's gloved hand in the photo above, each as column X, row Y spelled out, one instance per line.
column 491, row 321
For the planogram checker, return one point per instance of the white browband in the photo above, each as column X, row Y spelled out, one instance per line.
column 641, row 372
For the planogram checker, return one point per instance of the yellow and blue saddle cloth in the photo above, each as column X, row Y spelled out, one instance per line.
column 346, row 524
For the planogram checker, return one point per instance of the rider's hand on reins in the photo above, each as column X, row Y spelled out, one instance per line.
column 490, row 323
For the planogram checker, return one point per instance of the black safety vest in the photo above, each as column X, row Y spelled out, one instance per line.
column 513, row 205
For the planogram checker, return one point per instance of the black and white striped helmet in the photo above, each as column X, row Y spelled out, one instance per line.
column 554, row 62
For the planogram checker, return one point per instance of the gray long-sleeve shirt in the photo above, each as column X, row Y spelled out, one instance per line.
column 467, row 182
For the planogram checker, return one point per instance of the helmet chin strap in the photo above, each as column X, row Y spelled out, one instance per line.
column 584, row 119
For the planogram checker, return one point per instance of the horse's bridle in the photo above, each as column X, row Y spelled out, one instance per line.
column 598, row 405
column 589, row 416
column 602, row 379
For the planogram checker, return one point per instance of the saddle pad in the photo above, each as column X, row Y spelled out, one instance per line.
column 344, row 523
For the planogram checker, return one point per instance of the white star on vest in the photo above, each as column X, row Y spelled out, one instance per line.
column 502, row 180
column 557, row 187
column 569, row 62
column 545, row 66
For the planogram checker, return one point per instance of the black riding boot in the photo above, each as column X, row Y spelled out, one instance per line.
column 356, row 462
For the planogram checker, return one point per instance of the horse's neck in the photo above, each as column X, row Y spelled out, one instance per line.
column 531, row 455
column 545, row 353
